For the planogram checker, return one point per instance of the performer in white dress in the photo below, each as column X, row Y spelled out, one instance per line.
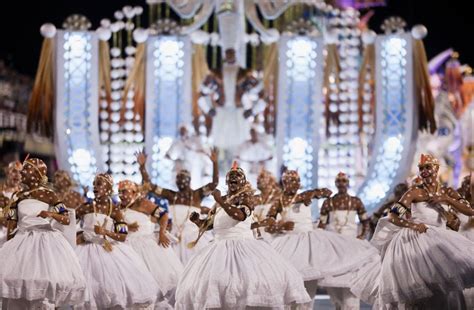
column 64, row 187
column 188, row 153
column 254, row 155
column 236, row 271
column 269, row 193
column 338, row 214
column 117, row 277
column 424, row 265
column 39, row 269
column 140, row 215
column 322, row 257
column 11, row 186
column 182, row 203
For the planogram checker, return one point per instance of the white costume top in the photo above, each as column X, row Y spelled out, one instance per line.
column 226, row 228
column 300, row 215
column 343, row 222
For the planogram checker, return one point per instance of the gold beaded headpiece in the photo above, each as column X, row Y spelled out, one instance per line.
column 39, row 166
column 427, row 159
column 127, row 184
column 342, row 176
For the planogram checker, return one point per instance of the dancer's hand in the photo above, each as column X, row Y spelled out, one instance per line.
column 214, row 155
column 421, row 228
column 439, row 199
column 288, row 225
column 44, row 214
column 194, row 217
column 141, row 157
column 322, row 193
column 205, row 210
column 99, row 230
column 217, row 195
column 163, row 240
column 133, row 227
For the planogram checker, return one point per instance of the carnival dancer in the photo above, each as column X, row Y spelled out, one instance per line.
column 116, row 275
column 140, row 215
column 182, row 203
column 236, row 271
column 64, row 187
column 188, row 152
column 269, row 193
column 322, row 257
column 424, row 265
column 338, row 214
column 8, row 189
column 254, row 154
column 39, row 268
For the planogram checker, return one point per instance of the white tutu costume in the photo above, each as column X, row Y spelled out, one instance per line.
column 116, row 279
column 163, row 263
column 38, row 266
column 186, row 231
column 236, row 272
column 325, row 256
column 431, row 267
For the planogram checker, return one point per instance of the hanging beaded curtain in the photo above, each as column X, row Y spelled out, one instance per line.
column 136, row 79
column 331, row 76
column 367, row 78
column 104, row 70
column 41, row 104
column 423, row 93
column 200, row 70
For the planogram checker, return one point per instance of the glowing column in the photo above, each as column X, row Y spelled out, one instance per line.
column 396, row 119
column 168, row 100
column 299, row 105
column 77, row 132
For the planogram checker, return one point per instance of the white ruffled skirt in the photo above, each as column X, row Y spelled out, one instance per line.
column 328, row 257
column 418, row 266
column 181, row 249
column 163, row 263
column 236, row 274
column 118, row 278
column 41, row 264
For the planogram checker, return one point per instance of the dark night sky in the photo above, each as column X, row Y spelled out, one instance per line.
column 449, row 23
